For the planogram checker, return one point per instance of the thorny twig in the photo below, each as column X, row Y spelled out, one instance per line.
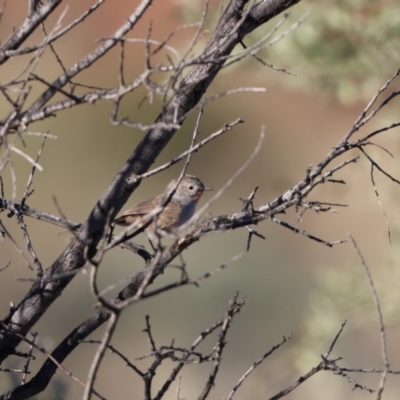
column 325, row 364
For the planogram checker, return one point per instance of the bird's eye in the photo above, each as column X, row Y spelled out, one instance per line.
column 191, row 187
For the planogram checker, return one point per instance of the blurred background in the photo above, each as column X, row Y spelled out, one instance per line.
column 341, row 54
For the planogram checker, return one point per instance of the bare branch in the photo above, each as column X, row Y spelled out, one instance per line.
column 28, row 359
column 380, row 204
column 193, row 148
column 33, row 20
column 306, row 234
column 380, row 318
column 323, row 365
column 99, row 356
column 255, row 365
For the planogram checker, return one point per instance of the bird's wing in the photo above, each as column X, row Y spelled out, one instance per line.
column 142, row 208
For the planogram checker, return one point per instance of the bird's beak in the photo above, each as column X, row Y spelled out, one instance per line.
column 207, row 189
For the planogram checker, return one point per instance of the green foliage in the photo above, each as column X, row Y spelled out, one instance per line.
column 346, row 47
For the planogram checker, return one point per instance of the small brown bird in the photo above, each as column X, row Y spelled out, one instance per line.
column 178, row 211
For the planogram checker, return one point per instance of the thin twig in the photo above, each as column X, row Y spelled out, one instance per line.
column 381, row 205
column 380, row 318
column 99, row 356
column 231, row 180
column 28, row 359
column 255, row 365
